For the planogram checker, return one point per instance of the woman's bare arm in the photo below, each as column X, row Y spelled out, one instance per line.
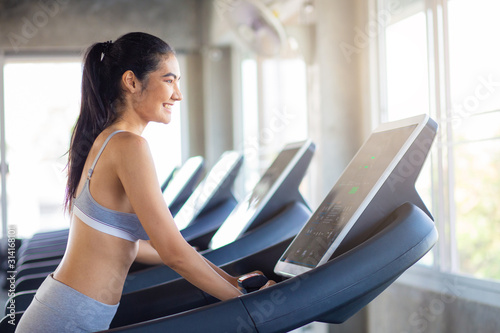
column 229, row 278
column 135, row 168
column 147, row 254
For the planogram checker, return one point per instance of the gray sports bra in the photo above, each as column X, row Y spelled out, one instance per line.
column 118, row 224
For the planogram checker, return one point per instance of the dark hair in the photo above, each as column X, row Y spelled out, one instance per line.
column 104, row 65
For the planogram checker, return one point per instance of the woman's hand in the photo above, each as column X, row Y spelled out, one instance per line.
column 268, row 284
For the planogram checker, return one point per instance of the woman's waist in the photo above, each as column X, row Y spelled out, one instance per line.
column 99, row 278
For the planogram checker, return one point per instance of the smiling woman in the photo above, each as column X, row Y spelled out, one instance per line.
column 158, row 93
column 113, row 193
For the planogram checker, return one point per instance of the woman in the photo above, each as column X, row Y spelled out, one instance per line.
column 113, row 193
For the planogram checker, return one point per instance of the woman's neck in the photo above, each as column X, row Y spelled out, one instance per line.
column 124, row 124
column 130, row 122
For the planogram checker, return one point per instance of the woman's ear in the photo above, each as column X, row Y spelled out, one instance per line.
column 130, row 82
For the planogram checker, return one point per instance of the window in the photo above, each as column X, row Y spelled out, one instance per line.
column 274, row 108
column 41, row 106
column 474, row 60
column 250, row 113
column 407, row 72
column 164, row 141
column 437, row 64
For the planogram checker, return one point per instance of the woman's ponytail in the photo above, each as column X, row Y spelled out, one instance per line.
column 95, row 115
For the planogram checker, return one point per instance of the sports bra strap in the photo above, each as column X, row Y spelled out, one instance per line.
column 91, row 170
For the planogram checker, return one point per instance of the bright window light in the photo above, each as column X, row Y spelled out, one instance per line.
column 41, row 106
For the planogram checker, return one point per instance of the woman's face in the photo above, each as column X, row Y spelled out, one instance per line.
column 160, row 91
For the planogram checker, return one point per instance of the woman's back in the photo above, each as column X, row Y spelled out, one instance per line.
column 95, row 262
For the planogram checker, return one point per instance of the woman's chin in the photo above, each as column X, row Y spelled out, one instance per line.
column 164, row 120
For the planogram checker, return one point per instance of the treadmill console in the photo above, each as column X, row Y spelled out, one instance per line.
column 370, row 184
column 212, row 190
column 277, row 187
column 183, row 182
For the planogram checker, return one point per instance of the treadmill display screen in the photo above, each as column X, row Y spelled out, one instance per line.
column 269, row 178
column 181, row 178
column 244, row 213
column 206, row 189
column 346, row 197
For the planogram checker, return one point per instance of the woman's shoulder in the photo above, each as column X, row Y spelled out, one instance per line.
column 128, row 147
column 131, row 158
column 125, row 139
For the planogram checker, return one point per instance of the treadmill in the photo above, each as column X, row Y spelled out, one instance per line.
column 370, row 228
column 372, row 251
column 211, row 202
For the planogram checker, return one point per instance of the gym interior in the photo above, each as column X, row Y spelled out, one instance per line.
column 257, row 77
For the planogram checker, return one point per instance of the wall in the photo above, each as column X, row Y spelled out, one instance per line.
column 218, row 90
column 74, row 24
column 193, row 100
column 403, row 308
column 336, row 124
column 407, row 309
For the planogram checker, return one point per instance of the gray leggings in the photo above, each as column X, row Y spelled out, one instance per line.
column 57, row 307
